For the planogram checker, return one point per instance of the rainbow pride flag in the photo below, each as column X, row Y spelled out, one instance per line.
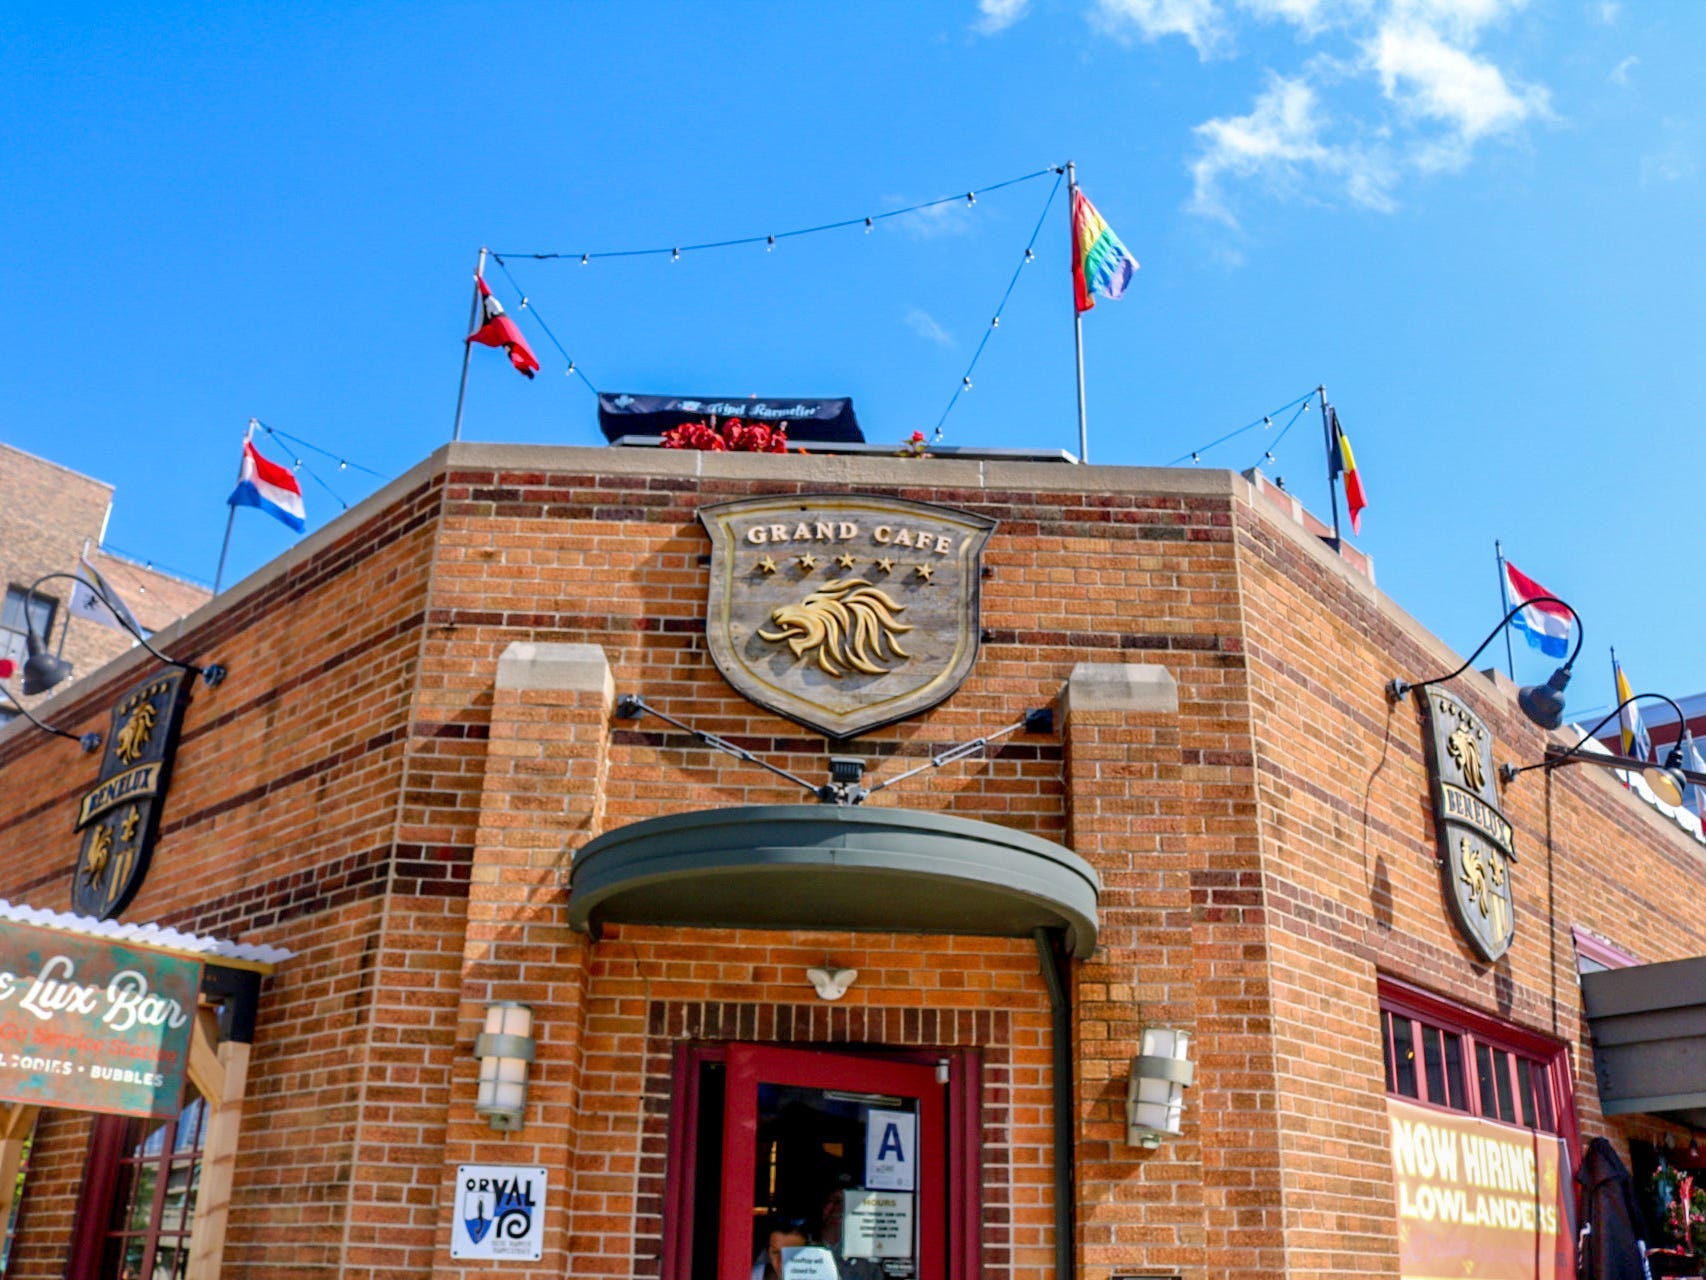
column 1099, row 260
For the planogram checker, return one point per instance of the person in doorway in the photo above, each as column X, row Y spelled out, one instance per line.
column 784, row 1234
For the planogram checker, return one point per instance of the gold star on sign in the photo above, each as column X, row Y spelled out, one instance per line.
column 845, row 559
column 807, row 562
column 924, row 571
column 885, row 563
column 766, row 565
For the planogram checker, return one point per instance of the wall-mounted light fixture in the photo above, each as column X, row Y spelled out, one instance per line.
column 1541, row 703
column 504, row 1049
column 1155, row 1091
column 43, row 670
column 90, row 742
column 1669, row 781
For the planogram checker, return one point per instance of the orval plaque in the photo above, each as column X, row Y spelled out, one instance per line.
column 1476, row 842
column 844, row 612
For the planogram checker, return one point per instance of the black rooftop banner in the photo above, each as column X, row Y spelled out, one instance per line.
column 820, row 421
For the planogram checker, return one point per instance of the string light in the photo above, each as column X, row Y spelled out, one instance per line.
column 769, row 244
column 1264, row 422
column 867, row 221
column 995, row 321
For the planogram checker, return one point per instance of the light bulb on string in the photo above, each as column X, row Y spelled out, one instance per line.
column 769, row 243
column 966, row 381
column 585, row 258
column 675, row 255
column 995, row 323
column 1266, row 422
column 1029, row 256
column 342, row 465
column 570, row 371
column 524, row 302
column 867, row 226
column 971, row 197
column 1268, row 456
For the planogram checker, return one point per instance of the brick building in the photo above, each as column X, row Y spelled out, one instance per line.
column 49, row 515
column 421, row 779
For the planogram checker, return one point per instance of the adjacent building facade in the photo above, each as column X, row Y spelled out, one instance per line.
column 50, row 516
column 515, row 731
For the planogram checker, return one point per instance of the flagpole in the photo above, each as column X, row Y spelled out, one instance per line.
column 1332, row 469
column 1505, row 604
column 1077, row 315
column 231, row 516
column 467, row 350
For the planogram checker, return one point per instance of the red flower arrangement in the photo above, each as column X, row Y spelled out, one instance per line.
column 915, row 447
column 734, row 436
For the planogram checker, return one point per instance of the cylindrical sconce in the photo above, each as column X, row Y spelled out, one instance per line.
column 504, row 1049
column 1155, row 1091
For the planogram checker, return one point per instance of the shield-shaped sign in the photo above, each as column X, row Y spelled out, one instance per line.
column 121, row 816
column 841, row 611
column 1477, row 847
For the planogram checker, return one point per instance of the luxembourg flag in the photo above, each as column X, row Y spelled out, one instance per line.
column 1546, row 625
column 269, row 488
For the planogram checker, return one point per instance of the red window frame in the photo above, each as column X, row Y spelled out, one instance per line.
column 1548, row 1060
column 963, row 1098
column 117, row 1151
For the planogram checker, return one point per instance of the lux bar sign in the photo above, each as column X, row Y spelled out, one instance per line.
column 92, row 1025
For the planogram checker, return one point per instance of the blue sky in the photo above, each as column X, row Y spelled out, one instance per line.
column 1477, row 221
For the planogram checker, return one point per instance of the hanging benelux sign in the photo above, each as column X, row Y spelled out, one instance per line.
column 121, row 816
column 841, row 611
column 1476, row 845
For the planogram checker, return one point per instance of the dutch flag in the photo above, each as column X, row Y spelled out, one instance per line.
column 1546, row 625
column 270, row 488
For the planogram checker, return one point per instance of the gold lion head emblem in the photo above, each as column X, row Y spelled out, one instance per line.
column 847, row 624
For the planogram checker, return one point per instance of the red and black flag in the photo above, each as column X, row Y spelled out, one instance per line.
column 498, row 330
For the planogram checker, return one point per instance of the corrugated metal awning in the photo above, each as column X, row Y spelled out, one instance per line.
column 216, row 950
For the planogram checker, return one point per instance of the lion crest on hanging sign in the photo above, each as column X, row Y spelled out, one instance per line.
column 1477, row 849
column 120, row 818
column 841, row 611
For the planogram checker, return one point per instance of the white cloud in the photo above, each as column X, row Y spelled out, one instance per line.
column 1310, row 17
column 1199, row 21
column 998, row 15
column 935, row 221
column 924, row 325
column 1608, row 11
column 1422, row 73
column 1280, row 144
column 1673, row 162
column 1620, row 73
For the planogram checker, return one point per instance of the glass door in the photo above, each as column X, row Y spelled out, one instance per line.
column 834, row 1168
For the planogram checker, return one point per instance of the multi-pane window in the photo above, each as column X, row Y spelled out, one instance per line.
column 153, row 1207
column 21, row 611
column 1462, row 1063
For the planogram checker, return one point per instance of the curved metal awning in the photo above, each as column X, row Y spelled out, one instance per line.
column 834, row 867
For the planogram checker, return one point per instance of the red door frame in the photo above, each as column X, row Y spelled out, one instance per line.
column 964, row 1116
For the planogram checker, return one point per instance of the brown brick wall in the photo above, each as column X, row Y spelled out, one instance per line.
column 363, row 790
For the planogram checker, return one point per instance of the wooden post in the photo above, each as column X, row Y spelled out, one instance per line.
column 17, row 1122
column 221, row 1076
